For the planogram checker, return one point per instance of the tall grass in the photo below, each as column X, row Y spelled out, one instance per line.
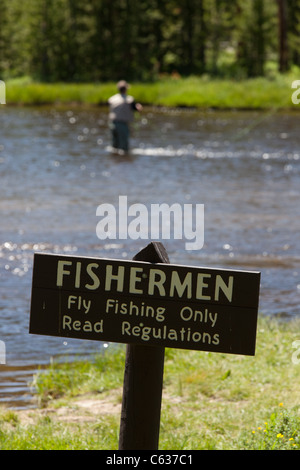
column 202, row 92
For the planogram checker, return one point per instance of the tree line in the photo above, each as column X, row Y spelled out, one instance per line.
column 100, row 40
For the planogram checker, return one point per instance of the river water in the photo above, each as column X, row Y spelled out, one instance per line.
column 56, row 169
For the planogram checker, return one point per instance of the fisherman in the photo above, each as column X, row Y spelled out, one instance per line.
column 121, row 113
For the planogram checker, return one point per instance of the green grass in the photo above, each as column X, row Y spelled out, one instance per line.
column 47, row 434
column 200, row 92
column 103, row 373
column 210, row 401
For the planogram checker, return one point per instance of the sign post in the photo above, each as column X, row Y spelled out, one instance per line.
column 143, row 382
column 149, row 304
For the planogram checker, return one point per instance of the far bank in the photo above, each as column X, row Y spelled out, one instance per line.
column 281, row 92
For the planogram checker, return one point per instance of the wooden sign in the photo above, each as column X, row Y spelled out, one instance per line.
column 144, row 303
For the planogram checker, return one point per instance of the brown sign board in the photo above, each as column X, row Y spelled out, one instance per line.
column 145, row 303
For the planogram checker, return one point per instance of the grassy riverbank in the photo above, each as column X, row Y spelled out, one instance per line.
column 210, row 401
column 201, row 92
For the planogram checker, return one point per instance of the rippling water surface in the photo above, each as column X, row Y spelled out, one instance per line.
column 55, row 169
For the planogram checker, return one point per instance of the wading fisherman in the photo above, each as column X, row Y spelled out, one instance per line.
column 121, row 113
